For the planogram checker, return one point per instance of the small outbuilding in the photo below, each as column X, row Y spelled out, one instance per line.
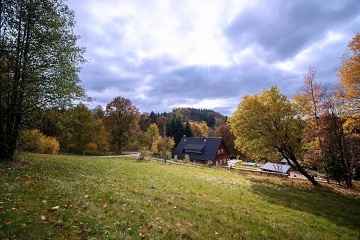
column 203, row 150
column 275, row 168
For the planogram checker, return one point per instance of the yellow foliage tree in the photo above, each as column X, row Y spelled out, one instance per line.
column 349, row 73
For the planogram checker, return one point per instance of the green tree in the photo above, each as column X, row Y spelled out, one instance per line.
column 270, row 121
column 175, row 128
column 121, row 118
column 39, row 62
column 78, row 129
column 188, row 130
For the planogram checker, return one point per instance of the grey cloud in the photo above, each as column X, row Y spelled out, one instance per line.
column 283, row 28
column 277, row 31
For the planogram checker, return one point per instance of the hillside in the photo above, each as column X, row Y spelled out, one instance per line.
column 211, row 117
column 71, row 197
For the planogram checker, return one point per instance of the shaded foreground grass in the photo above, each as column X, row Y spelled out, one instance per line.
column 69, row 197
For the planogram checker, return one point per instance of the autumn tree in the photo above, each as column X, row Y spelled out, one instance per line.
column 150, row 136
column 311, row 102
column 144, row 122
column 349, row 74
column 341, row 138
column 121, row 118
column 39, row 61
column 224, row 131
column 199, row 129
column 270, row 121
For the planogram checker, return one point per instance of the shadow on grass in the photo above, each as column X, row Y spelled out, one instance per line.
column 339, row 209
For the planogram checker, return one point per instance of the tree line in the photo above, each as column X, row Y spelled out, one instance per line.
column 119, row 126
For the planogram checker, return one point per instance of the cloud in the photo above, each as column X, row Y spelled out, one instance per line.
column 279, row 30
column 165, row 54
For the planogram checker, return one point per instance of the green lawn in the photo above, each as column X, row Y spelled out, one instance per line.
column 71, row 197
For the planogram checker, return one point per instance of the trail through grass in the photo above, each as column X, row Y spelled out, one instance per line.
column 71, row 197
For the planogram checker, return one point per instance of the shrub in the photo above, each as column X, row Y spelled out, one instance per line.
column 48, row 145
column 29, row 140
column 143, row 154
column 37, row 142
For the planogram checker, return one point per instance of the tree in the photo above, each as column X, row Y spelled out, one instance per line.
column 224, row 131
column 150, row 136
column 78, row 129
column 39, row 62
column 144, row 122
column 50, row 122
column 270, row 121
column 198, row 128
column 175, row 128
column 349, row 74
column 311, row 102
column 98, row 112
column 188, row 131
column 340, row 139
column 121, row 118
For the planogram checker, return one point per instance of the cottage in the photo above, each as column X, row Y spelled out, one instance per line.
column 275, row 168
column 203, row 150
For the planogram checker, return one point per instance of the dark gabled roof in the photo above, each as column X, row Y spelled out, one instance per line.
column 207, row 146
column 274, row 167
column 193, row 146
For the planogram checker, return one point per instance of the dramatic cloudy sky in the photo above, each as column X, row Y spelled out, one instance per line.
column 208, row 53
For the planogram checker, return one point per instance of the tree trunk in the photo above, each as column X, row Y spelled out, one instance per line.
column 295, row 165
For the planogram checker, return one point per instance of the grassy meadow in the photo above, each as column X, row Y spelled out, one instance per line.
column 73, row 197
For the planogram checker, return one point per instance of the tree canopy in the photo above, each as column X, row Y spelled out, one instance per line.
column 39, row 63
column 268, row 123
column 121, row 117
column 349, row 73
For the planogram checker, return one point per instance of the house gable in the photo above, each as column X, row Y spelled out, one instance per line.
column 202, row 150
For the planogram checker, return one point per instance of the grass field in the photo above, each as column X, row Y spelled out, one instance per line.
column 71, row 197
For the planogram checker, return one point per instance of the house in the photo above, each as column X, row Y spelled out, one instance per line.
column 275, row 168
column 203, row 150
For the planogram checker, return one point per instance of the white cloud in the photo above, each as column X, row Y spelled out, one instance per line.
column 163, row 54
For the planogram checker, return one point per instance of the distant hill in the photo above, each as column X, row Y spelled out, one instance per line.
column 211, row 117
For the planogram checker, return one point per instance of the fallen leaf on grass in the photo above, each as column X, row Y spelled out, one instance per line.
column 51, row 220
column 143, row 234
column 42, row 217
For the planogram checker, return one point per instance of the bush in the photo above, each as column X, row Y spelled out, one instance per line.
column 49, row 145
column 29, row 140
column 143, row 154
column 36, row 142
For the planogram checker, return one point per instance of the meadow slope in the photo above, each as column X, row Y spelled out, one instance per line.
column 72, row 197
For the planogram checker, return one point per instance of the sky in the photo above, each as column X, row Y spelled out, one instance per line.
column 165, row 54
